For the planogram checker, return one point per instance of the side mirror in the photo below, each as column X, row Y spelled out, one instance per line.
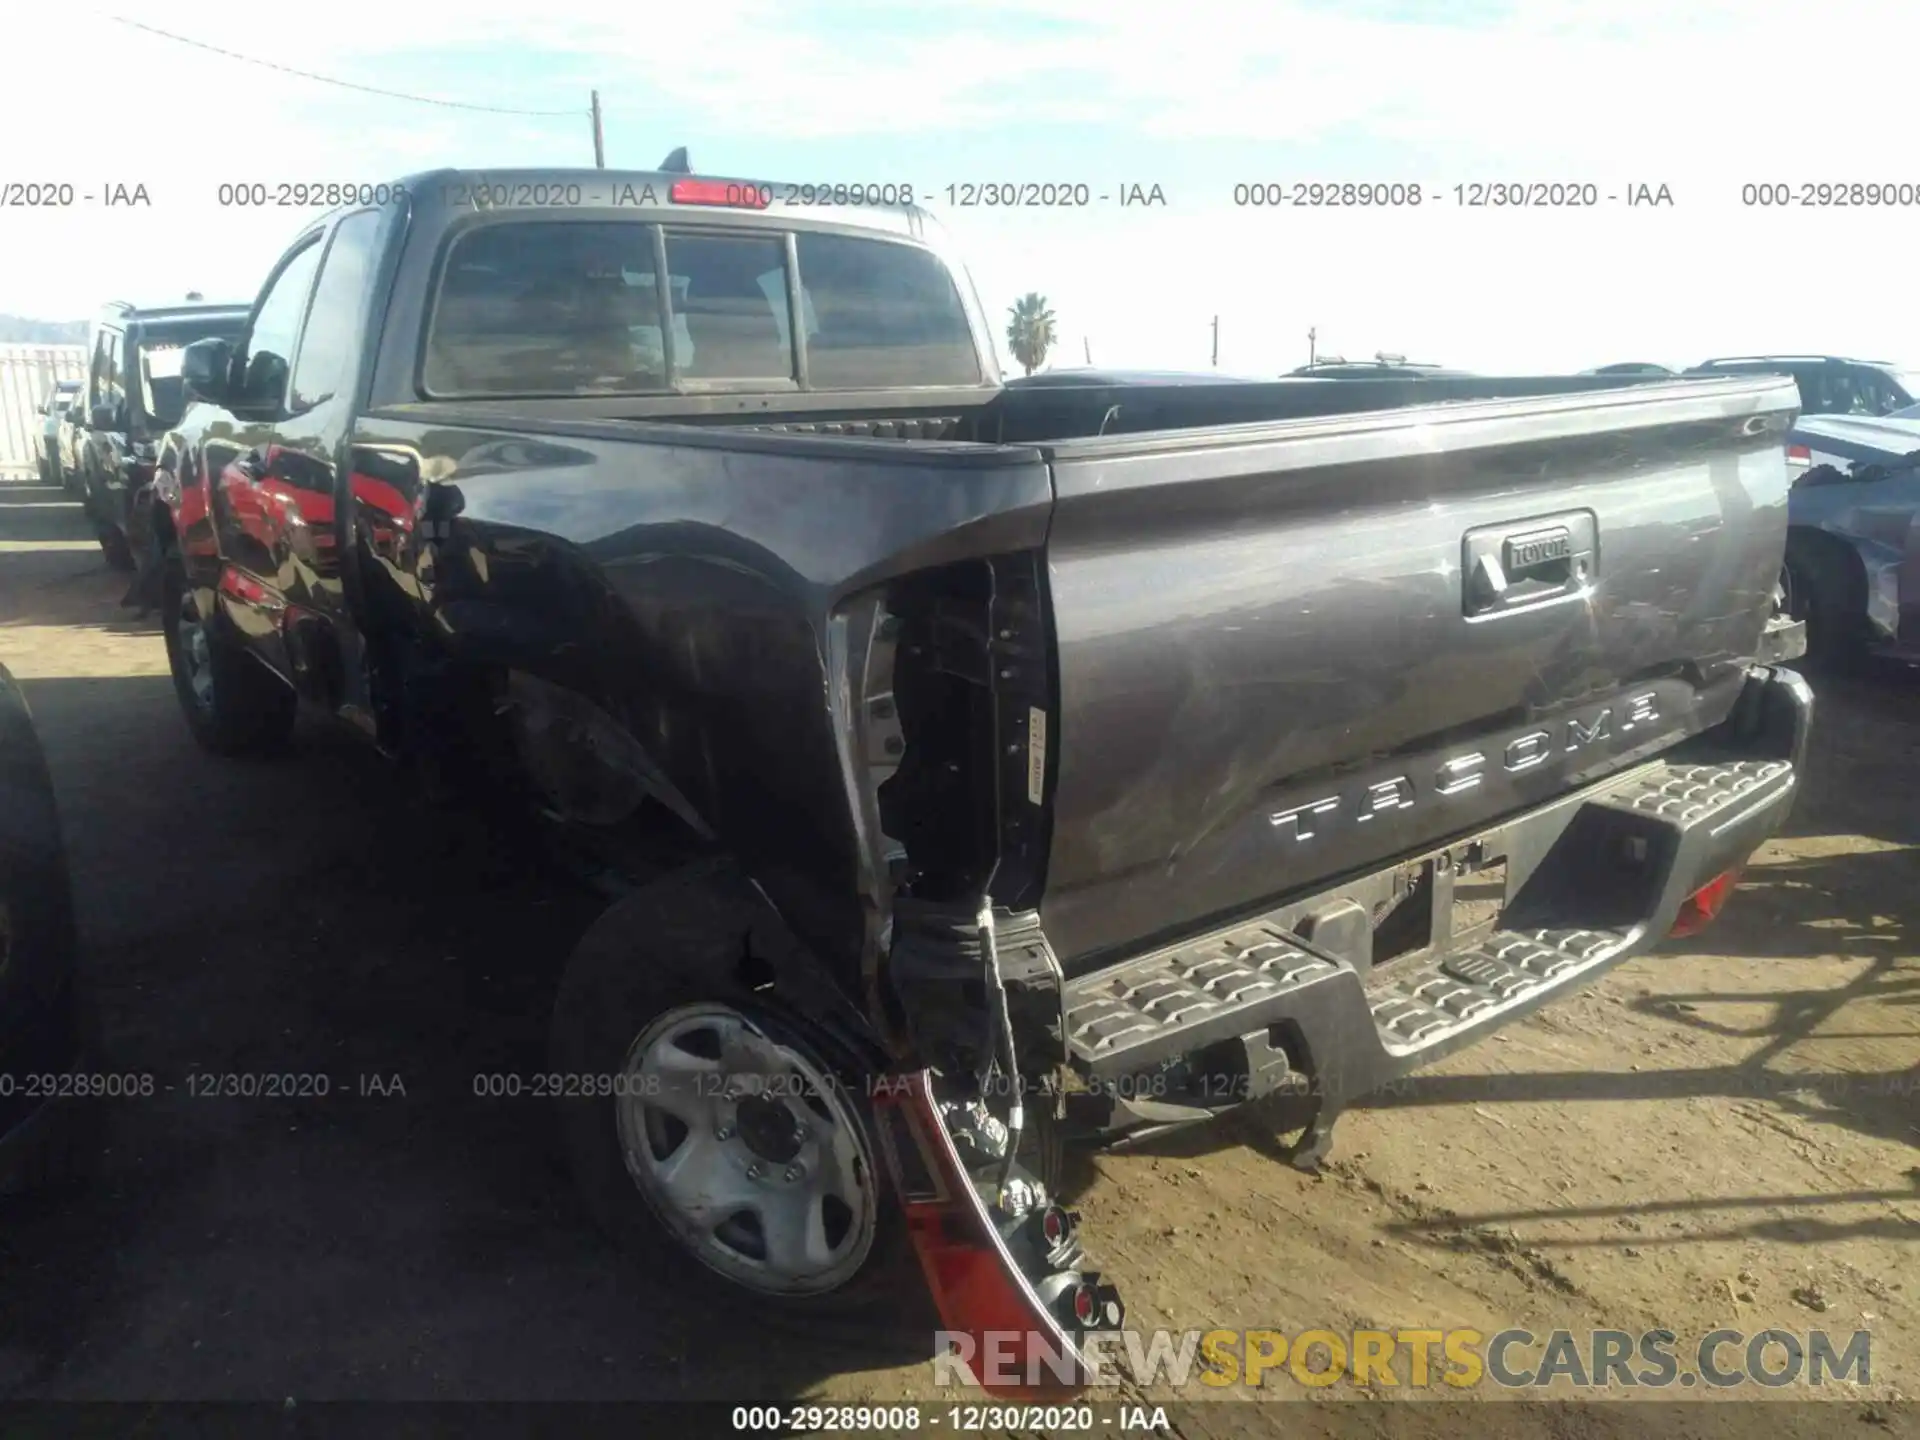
column 102, row 417
column 206, row 368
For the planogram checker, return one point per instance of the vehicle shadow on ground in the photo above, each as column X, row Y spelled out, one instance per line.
column 384, row 1232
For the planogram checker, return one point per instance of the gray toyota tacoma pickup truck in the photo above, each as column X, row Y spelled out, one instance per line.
column 1041, row 763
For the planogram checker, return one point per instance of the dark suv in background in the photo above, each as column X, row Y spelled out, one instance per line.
column 1829, row 384
column 134, row 395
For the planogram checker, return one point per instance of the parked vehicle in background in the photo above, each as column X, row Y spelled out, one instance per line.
column 1142, row 750
column 133, row 393
column 1853, row 543
column 1629, row 367
column 1382, row 367
column 71, row 441
column 46, row 1029
column 50, row 462
column 1829, row 384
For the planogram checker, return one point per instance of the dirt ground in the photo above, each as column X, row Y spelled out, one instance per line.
column 1726, row 1134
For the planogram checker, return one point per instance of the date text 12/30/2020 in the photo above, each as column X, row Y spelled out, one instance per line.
column 1468, row 195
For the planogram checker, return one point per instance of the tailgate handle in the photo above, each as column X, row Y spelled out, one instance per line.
column 1524, row 563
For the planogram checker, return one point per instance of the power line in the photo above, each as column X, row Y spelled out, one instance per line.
column 343, row 84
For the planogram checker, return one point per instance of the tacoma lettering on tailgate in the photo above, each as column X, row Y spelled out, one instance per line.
column 1461, row 773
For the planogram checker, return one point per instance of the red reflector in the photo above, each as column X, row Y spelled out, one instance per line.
column 1699, row 909
column 1799, row 455
column 1083, row 1305
column 729, row 193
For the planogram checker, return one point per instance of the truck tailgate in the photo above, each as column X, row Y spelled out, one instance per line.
column 1294, row 651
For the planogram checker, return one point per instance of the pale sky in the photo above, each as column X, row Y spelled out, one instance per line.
column 1702, row 97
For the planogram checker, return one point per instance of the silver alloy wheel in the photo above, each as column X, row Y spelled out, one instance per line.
column 195, row 655
column 748, row 1150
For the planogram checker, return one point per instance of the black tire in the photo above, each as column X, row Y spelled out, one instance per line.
column 1826, row 588
column 64, row 1153
column 249, row 710
column 678, row 942
column 114, row 546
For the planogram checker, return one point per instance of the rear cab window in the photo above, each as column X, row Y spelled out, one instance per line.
column 531, row 308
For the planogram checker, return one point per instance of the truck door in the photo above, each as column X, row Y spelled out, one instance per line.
column 302, row 470
column 249, row 518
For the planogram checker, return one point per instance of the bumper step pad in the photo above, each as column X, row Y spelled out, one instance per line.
column 1429, row 1003
column 1358, row 1032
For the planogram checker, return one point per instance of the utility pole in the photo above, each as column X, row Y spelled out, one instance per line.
column 599, row 144
column 1216, row 342
column 1086, row 348
column 1313, row 334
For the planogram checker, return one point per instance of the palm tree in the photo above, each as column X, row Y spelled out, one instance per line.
column 1030, row 332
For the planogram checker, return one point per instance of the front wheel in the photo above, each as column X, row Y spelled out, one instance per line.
column 234, row 705
column 712, row 1130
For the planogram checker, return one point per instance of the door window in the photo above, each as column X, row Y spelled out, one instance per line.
column 331, row 341
column 276, row 327
column 103, row 378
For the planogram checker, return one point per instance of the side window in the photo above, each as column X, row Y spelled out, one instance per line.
column 1877, row 396
column 1843, row 395
column 103, row 380
column 329, row 345
column 275, row 328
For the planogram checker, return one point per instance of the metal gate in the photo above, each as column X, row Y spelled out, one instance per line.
column 27, row 373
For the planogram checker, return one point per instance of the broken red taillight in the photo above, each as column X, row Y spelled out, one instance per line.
column 730, row 194
column 1700, row 909
column 1799, row 455
column 1016, row 1328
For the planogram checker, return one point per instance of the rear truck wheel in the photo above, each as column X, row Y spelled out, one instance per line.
column 1821, row 584
column 234, row 705
column 58, row 1148
column 713, row 1130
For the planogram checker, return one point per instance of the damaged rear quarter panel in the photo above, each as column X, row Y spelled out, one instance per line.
column 689, row 583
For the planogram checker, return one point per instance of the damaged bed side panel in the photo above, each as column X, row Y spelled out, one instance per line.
column 702, row 591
